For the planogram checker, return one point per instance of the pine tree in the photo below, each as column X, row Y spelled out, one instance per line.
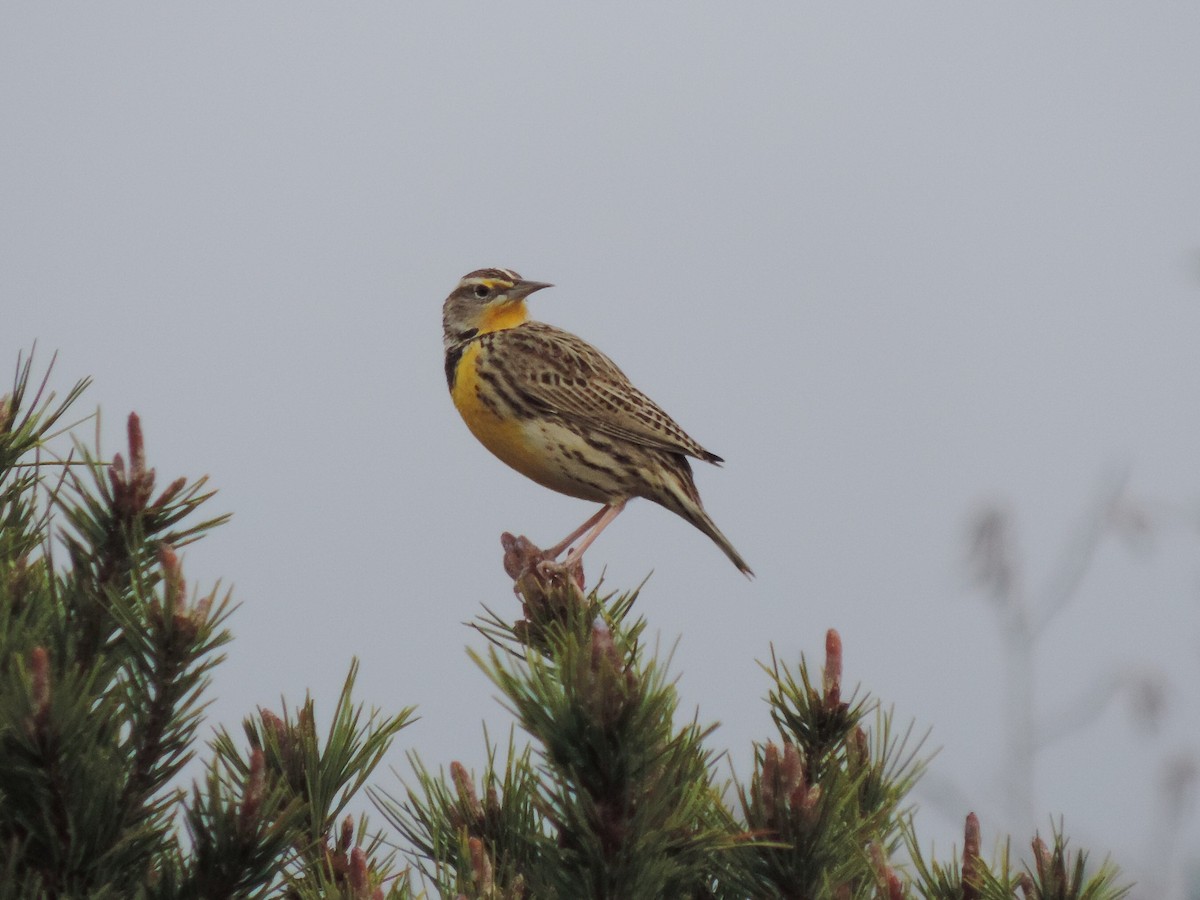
column 616, row 800
column 105, row 658
column 104, row 663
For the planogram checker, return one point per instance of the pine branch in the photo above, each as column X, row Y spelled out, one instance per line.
column 171, row 648
column 461, row 841
column 828, row 802
column 1054, row 874
column 319, row 778
column 626, row 797
column 239, row 834
column 27, row 423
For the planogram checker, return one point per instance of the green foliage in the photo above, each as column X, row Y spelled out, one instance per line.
column 105, row 658
column 614, row 799
column 831, row 795
column 1054, row 875
column 449, row 826
column 617, row 801
column 319, row 779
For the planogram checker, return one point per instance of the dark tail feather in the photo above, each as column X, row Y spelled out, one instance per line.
column 678, row 493
column 700, row 519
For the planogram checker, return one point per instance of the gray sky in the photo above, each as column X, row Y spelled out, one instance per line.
column 888, row 262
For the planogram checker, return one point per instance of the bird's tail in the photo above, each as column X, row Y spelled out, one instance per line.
column 682, row 498
column 701, row 520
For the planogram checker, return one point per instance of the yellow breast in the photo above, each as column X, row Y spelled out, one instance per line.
column 502, row 433
column 542, row 448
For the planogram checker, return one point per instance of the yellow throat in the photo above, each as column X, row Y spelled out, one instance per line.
column 507, row 315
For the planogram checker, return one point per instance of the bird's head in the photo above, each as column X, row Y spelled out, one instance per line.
column 486, row 300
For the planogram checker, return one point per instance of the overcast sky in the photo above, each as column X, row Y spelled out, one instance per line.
column 891, row 262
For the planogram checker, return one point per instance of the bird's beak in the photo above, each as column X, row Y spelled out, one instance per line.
column 523, row 289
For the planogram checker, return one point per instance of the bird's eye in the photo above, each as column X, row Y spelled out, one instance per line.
column 482, row 290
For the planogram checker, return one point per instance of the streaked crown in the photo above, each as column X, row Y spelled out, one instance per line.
column 485, row 300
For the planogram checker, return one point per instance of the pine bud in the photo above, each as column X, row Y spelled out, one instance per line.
column 481, row 867
column 275, row 725
column 971, row 836
column 467, row 795
column 1041, row 857
column 132, row 489
column 770, row 775
column 252, row 795
column 200, row 611
column 360, row 880
column 137, row 447
column 832, row 679
column 858, row 749
column 604, row 651
column 895, row 887
column 609, row 686
column 173, row 581
column 971, row 862
column 792, row 772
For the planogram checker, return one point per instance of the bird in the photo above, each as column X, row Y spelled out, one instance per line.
column 560, row 412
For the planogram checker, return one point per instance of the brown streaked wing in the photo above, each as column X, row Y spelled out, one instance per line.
column 568, row 376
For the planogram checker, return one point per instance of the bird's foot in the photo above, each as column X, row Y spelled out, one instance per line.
column 570, row 568
column 551, row 593
column 523, row 558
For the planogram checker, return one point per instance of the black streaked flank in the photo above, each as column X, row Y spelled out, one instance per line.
column 453, row 355
column 502, row 390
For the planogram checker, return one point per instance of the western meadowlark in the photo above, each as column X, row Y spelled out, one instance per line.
column 559, row 411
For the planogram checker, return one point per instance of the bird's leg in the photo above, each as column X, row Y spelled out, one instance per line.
column 556, row 551
column 597, row 523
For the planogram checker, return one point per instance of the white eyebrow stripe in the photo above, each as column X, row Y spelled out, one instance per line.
column 489, row 277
